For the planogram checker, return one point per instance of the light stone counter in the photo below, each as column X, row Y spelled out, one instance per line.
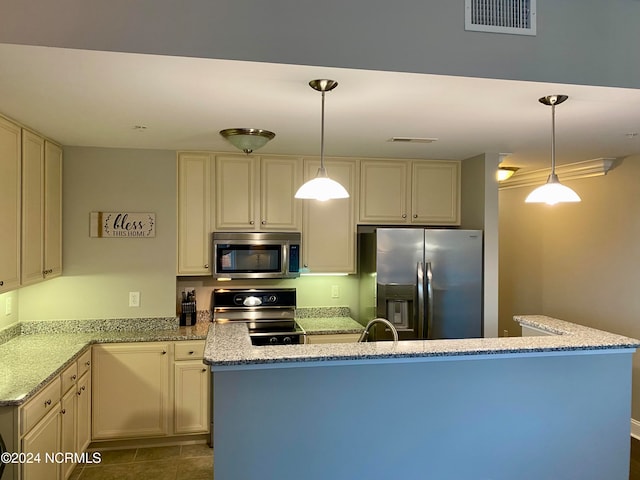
column 329, row 325
column 229, row 347
column 29, row 360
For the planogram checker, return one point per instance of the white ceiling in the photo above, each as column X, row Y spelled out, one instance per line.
column 92, row 98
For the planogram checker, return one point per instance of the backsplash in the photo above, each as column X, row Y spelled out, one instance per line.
column 98, row 325
column 322, row 312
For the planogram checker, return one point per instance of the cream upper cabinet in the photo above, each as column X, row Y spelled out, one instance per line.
column 385, row 193
column 41, row 209
column 130, row 390
column 329, row 228
column 10, row 198
column 257, row 193
column 32, row 208
column 52, row 210
column 424, row 192
column 195, row 181
column 435, row 193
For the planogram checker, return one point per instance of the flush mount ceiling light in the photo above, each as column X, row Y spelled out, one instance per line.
column 553, row 191
column 247, row 139
column 504, row 173
column 322, row 187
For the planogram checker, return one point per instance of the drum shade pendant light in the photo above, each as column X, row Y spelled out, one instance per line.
column 247, row 139
column 553, row 191
column 322, row 187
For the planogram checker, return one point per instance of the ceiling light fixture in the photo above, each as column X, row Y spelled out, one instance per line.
column 247, row 139
column 504, row 173
column 553, row 191
column 322, row 187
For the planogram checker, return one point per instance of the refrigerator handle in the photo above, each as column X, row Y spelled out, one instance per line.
column 420, row 318
column 429, row 285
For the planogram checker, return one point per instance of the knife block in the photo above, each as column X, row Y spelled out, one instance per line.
column 188, row 314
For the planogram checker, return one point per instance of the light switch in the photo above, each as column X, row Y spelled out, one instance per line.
column 335, row 291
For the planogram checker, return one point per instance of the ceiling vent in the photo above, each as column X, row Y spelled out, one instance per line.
column 516, row 17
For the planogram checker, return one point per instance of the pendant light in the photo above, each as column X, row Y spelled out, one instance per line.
column 247, row 139
column 322, row 188
column 553, row 191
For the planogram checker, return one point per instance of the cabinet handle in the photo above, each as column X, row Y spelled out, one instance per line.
column 1, row 283
column 88, row 364
column 164, row 352
column 206, row 265
column 404, row 215
column 47, row 403
column 191, row 352
column 73, row 377
column 415, row 215
column 264, row 222
column 63, row 411
column 251, row 222
column 204, row 370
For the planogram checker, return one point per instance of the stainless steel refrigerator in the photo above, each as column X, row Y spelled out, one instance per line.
column 427, row 282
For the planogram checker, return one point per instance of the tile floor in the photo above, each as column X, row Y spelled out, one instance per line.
column 179, row 462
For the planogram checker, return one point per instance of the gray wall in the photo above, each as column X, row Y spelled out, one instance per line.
column 99, row 273
column 559, row 417
column 577, row 262
column 579, row 42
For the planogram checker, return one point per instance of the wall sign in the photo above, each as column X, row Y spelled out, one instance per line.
column 122, row 224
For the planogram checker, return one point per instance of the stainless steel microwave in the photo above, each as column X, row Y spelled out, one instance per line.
column 256, row 255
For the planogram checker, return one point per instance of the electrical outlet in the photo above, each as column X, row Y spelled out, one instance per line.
column 505, row 333
column 8, row 307
column 134, row 299
column 335, row 291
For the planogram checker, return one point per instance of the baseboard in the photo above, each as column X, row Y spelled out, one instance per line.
column 635, row 428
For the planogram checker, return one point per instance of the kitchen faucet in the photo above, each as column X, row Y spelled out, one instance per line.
column 365, row 333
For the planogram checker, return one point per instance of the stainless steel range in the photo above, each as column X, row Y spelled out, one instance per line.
column 268, row 313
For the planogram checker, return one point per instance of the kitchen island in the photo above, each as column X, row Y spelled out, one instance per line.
column 548, row 406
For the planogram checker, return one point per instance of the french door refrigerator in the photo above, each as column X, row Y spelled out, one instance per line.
column 427, row 282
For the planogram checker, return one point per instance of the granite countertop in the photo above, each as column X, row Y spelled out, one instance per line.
column 30, row 360
column 228, row 345
column 329, row 325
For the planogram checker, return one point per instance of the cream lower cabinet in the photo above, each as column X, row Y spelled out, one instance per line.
column 191, row 389
column 329, row 228
column 43, row 439
column 195, row 221
column 130, row 390
column 334, row 338
column 10, row 199
column 257, row 193
column 421, row 192
column 152, row 389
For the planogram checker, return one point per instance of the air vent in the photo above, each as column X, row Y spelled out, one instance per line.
column 516, row 17
column 412, row 140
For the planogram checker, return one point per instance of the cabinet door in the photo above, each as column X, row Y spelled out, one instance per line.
column 68, row 417
column 280, row 178
column 329, row 228
column 10, row 213
column 83, row 412
column 43, row 438
column 191, row 407
column 435, row 198
column 235, row 180
column 194, row 213
column 384, row 191
column 52, row 210
column 130, row 390
column 32, row 207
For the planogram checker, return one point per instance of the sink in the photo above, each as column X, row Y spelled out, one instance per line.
column 365, row 334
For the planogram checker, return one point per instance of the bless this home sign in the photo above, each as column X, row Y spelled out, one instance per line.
column 122, row 225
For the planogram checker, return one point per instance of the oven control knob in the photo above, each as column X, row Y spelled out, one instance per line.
column 272, row 299
column 252, row 301
column 287, row 340
column 273, row 340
